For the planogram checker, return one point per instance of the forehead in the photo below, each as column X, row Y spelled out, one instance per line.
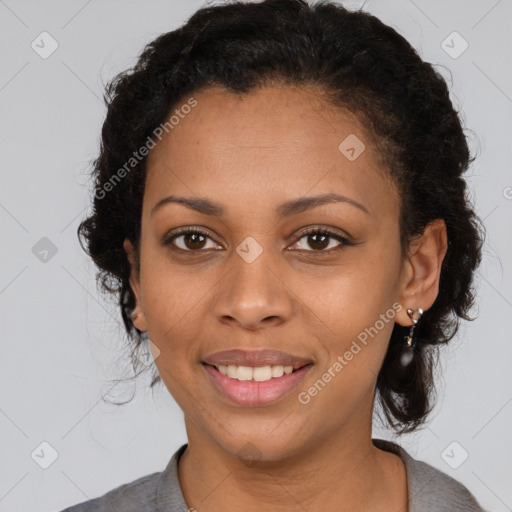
column 273, row 115
column 271, row 142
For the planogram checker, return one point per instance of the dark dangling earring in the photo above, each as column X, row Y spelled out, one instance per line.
column 408, row 353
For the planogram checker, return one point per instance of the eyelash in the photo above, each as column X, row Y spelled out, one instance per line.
column 310, row 231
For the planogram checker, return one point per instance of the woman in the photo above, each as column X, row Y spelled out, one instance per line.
column 281, row 211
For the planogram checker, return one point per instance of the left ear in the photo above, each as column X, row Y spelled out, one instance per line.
column 422, row 270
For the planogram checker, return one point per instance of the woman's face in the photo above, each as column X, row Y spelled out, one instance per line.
column 254, row 281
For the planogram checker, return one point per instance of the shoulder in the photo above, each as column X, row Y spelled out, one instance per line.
column 429, row 488
column 435, row 490
column 138, row 496
column 149, row 493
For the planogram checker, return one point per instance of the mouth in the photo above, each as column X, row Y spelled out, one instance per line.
column 252, row 386
column 255, row 373
column 255, row 359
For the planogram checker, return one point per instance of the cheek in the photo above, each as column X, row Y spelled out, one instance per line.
column 173, row 308
column 174, row 301
column 358, row 308
column 169, row 290
column 360, row 325
column 359, row 291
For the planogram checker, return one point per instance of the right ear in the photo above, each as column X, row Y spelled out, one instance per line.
column 138, row 318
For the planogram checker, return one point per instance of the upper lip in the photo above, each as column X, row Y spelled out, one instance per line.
column 256, row 358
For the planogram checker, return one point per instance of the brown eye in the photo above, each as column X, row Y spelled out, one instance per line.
column 190, row 240
column 318, row 241
column 194, row 241
column 321, row 240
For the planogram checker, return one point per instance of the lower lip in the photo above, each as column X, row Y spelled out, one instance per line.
column 252, row 393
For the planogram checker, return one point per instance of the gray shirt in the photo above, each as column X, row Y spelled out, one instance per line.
column 429, row 490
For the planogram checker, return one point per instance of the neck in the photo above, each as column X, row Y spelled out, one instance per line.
column 342, row 473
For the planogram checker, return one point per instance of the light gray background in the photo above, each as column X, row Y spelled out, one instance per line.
column 61, row 342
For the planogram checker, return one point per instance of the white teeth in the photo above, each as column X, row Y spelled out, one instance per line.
column 277, row 371
column 258, row 373
column 232, row 371
column 244, row 373
column 262, row 373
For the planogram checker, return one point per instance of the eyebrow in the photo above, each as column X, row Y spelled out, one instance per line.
column 284, row 210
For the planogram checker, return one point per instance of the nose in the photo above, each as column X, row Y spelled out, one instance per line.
column 253, row 295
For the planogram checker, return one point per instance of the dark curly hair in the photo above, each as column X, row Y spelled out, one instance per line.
column 361, row 65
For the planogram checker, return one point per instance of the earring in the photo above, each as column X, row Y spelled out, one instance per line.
column 408, row 353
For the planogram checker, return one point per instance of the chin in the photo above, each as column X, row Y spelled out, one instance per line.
column 258, row 444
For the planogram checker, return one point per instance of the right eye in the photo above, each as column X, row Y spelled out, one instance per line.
column 189, row 240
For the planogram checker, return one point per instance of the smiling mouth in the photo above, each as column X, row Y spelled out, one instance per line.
column 256, row 386
column 255, row 373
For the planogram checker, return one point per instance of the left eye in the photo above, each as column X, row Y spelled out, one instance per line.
column 320, row 240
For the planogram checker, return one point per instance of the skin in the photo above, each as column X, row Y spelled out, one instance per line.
column 250, row 153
